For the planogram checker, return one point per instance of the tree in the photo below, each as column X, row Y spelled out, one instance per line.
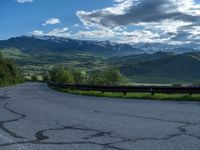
column 113, row 76
column 107, row 76
column 96, row 78
column 62, row 75
column 45, row 77
column 9, row 73
column 78, row 76
column 34, row 78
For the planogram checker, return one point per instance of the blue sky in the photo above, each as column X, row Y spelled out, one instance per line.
column 172, row 21
column 21, row 18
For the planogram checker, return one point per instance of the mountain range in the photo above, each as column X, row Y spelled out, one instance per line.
column 139, row 62
column 101, row 48
column 183, row 67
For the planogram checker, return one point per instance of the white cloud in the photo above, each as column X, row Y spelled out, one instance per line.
column 117, row 9
column 24, row 1
column 76, row 25
column 37, row 32
column 96, row 34
column 166, row 26
column 51, row 21
column 59, row 32
column 129, row 12
column 141, row 36
column 160, row 20
column 136, row 21
column 119, row 1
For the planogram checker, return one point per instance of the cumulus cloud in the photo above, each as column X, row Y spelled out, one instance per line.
column 37, row 32
column 131, row 12
column 189, row 33
column 144, row 35
column 59, row 32
column 96, row 34
column 158, row 17
column 51, row 21
column 137, row 21
column 119, row 1
column 24, row 1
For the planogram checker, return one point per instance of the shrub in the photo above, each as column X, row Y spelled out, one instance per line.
column 107, row 76
column 79, row 76
column 45, row 77
column 62, row 75
column 9, row 73
column 34, row 78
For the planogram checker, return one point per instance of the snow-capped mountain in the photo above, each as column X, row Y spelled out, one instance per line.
column 102, row 48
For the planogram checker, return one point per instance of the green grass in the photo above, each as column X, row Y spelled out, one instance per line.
column 38, row 61
column 9, row 84
column 146, row 96
column 156, row 80
column 14, row 54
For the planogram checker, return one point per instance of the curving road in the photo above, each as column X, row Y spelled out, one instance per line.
column 34, row 117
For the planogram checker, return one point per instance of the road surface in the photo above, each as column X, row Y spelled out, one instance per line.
column 34, row 117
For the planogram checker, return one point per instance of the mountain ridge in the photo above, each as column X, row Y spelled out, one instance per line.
column 102, row 48
column 43, row 52
column 181, row 66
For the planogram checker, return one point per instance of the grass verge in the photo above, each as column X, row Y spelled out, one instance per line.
column 157, row 80
column 146, row 96
column 6, row 84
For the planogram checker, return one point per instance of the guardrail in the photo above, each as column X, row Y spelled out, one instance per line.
column 126, row 89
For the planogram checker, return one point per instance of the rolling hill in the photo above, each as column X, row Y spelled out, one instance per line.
column 183, row 67
column 38, row 54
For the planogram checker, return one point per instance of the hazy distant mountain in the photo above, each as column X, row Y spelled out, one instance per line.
column 102, row 48
column 140, row 57
column 156, row 47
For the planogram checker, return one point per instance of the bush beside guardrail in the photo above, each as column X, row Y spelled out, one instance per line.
column 126, row 89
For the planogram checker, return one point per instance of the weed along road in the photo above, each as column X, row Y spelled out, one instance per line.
column 34, row 117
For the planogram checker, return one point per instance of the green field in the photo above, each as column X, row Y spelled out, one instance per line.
column 39, row 62
column 139, row 69
column 142, row 79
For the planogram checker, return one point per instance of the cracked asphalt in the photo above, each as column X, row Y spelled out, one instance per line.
column 34, row 117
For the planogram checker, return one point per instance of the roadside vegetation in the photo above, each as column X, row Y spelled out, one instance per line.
column 105, row 76
column 9, row 73
column 146, row 96
column 108, row 76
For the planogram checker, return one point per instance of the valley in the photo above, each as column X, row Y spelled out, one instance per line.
column 37, row 55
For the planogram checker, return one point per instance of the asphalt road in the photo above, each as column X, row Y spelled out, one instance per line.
column 34, row 117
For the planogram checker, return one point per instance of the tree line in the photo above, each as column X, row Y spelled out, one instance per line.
column 10, row 74
column 105, row 76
